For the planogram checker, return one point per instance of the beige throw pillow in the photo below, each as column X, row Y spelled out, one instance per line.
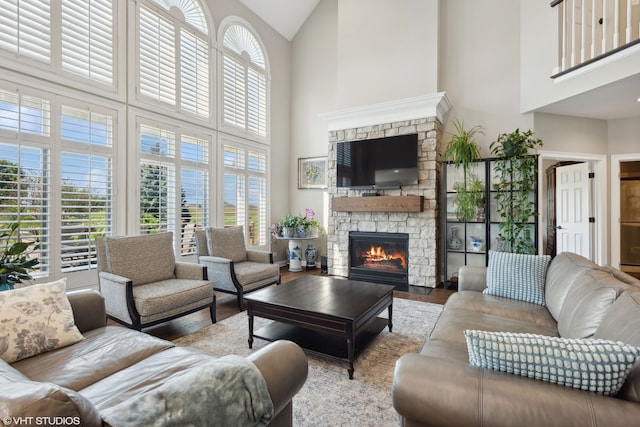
column 35, row 319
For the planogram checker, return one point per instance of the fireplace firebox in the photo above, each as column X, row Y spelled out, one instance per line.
column 379, row 257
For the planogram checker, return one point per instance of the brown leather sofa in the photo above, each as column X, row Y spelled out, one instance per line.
column 113, row 364
column 438, row 387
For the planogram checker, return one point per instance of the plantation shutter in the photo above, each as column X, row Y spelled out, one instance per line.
column 244, row 98
column 256, row 103
column 25, row 28
column 157, row 179
column 86, row 194
column 194, row 183
column 194, row 73
column 257, row 198
column 24, row 168
column 157, row 56
column 87, row 39
column 233, row 92
column 234, row 186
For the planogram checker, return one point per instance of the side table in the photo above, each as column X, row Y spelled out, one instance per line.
column 295, row 251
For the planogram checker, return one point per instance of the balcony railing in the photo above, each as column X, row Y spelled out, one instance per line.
column 589, row 30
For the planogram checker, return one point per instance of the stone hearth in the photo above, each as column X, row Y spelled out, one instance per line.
column 422, row 116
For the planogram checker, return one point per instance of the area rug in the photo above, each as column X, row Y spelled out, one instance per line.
column 328, row 397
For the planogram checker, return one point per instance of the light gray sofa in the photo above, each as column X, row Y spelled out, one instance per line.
column 439, row 387
column 113, row 364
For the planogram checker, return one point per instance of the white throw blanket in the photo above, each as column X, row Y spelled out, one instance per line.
column 226, row 391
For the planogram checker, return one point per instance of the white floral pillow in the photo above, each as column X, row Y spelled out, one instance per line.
column 35, row 319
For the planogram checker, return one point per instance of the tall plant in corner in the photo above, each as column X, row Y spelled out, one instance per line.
column 462, row 151
column 15, row 262
column 516, row 175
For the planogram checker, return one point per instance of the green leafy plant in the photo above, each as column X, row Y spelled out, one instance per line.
column 462, row 150
column 15, row 262
column 515, row 170
column 289, row 221
column 470, row 198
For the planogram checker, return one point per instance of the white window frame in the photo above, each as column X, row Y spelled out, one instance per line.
column 175, row 109
column 134, row 158
column 55, row 147
column 53, row 71
column 244, row 144
column 228, row 128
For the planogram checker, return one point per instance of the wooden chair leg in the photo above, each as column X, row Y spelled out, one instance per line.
column 212, row 312
column 240, row 301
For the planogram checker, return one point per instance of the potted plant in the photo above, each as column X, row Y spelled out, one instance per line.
column 14, row 259
column 462, row 151
column 470, row 198
column 288, row 223
column 516, row 172
column 307, row 223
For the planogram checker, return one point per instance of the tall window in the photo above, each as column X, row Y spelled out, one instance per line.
column 245, row 191
column 244, row 97
column 66, row 206
column 25, row 134
column 173, row 60
column 85, row 187
column 174, row 183
column 84, row 36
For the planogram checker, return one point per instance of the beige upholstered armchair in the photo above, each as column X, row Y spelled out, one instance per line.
column 143, row 285
column 231, row 267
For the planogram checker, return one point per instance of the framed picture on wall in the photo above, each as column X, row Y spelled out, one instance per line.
column 312, row 172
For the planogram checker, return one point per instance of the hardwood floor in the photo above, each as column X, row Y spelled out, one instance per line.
column 226, row 306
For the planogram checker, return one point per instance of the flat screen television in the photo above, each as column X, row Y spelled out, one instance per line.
column 378, row 163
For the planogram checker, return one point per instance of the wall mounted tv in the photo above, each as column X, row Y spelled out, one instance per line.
column 378, row 163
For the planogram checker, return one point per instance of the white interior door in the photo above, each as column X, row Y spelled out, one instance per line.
column 573, row 202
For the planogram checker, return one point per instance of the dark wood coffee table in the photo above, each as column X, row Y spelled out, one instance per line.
column 332, row 316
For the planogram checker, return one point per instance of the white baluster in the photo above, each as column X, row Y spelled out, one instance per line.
column 593, row 28
column 604, row 26
column 573, row 33
column 616, row 24
column 563, row 65
column 628, row 21
column 583, row 32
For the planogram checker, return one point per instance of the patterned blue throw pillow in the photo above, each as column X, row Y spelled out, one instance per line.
column 599, row 366
column 517, row 276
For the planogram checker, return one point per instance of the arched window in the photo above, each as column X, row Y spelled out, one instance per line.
column 173, row 55
column 244, row 81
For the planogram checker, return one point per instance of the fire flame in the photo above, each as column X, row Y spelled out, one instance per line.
column 377, row 254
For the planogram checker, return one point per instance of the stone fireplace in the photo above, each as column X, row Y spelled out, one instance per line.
column 379, row 257
column 422, row 116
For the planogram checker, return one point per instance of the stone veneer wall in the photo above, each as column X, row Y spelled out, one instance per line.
column 422, row 227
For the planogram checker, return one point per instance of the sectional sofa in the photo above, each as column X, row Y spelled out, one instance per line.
column 92, row 381
column 583, row 302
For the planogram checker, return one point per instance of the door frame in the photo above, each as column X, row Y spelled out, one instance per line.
column 615, row 203
column 599, row 202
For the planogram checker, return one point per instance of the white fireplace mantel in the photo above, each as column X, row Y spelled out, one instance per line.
column 435, row 105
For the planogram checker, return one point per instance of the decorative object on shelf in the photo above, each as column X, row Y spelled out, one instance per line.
column 15, row 260
column 454, row 241
column 307, row 225
column 477, row 244
column 288, row 223
column 499, row 245
column 276, row 231
column 516, row 175
column 310, row 255
column 312, row 172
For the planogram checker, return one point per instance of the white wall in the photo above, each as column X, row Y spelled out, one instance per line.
column 480, row 66
column 624, row 136
column 387, row 50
